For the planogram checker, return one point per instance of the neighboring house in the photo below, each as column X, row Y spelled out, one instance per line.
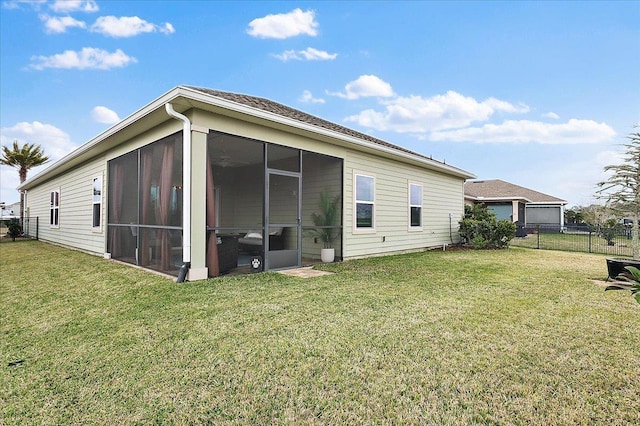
column 197, row 176
column 516, row 203
column 11, row 211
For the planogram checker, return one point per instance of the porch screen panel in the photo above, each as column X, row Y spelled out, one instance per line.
column 502, row 211
column 543, row 215
column 161, row 204
column 123, row 207
column 145, row 205
column 321, row 175
column 237, row 168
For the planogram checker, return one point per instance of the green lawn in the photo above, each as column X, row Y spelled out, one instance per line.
column 582, row 242
column 458, row 337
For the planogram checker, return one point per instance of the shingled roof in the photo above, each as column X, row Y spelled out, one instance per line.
column 495, row 189
column 292, row 113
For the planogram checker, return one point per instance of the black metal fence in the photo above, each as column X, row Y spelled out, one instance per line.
column 29, row 226
column 576, row 238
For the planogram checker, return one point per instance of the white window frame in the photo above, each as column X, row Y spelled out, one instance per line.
column 98, row 202
column 54, row 208
column 356, row 201
column 410, row 226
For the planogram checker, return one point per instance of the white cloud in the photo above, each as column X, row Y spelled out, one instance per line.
column 87, row 58
column 504, row 106
column 551, row 115
column 62, row 6
column 102, row 114
column 309, row 54
column 128, row 26
column 307, row 97
column 524, row 131
column 365, row 86
column 575, row 180
column 15, row 4
column 415, row 114
column 284, row 25
column 607, row 158
column 57, row 25
column 54, row 141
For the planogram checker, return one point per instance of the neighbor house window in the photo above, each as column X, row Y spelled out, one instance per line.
column 97, row 201
column 415, row 206
column 54, row 210
column 365, row 202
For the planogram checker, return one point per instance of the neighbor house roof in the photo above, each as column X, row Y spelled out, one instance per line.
column 251, row 108
column 499, row 190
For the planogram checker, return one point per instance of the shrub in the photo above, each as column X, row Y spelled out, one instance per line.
column 14, row 230
column 609, row 230
column 481, row 229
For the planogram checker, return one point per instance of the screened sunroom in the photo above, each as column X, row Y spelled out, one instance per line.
column 260, row 200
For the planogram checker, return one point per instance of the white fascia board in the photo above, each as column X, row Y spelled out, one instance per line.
column 198, row 96
column 91, row 144
column 501, row 199
column 549, row 203
column 269, row 116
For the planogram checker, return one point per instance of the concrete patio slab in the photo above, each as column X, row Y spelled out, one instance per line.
column 304, row 272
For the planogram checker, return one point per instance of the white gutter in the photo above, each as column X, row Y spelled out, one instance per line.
column 87, row 147
column 186, row 181
column 550, row 203
column 197, row 95
column 490, row 199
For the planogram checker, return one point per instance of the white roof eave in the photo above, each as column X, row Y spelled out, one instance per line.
column 188, row 94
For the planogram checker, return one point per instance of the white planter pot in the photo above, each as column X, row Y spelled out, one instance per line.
column 328, row 255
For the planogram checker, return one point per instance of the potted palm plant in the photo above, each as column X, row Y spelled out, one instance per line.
column 325, row 221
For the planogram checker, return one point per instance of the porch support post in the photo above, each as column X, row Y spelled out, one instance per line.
column 198, row 270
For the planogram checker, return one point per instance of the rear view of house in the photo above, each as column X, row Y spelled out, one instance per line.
column 218, row 182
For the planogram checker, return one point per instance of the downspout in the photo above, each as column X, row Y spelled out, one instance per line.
column 186, row 189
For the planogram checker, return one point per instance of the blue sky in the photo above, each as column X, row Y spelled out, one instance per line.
column 540, row 94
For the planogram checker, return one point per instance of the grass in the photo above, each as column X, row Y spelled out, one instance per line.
column 581, row 242
column 490, row 337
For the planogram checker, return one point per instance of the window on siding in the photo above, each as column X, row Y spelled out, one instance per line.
column 97, row 201
column 365, row 201
column 415, row 205
column 54, row 210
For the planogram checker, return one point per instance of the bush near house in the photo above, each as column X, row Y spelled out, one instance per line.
column 481, row 229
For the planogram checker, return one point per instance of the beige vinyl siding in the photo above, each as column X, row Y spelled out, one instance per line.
column 76, row 196
column 75, row 226
column 442, row 196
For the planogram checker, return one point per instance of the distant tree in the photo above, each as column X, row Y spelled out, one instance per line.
column 574, row 215
column 25, row 158
column 595, row 215
column 622, row 190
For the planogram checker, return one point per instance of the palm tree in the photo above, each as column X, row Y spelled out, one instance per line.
column 25, row 158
